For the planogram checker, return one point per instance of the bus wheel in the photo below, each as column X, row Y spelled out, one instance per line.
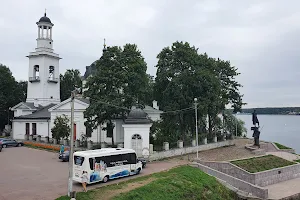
column 138, row 171
column 105, row 179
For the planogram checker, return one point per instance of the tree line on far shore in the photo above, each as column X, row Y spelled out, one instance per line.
column 274, row 110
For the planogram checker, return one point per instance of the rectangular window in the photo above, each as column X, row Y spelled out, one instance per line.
column 27, row 129
column 33, row 128
column 78, row 160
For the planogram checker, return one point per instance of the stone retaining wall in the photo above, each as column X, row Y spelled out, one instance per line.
column 187, row 150
column 277, row 175
column 235, row 182
column 262, row 179
column 230, row 169
column 284, row 150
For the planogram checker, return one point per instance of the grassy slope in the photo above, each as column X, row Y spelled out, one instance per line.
column 280, row 146
column 263, row 163
column 183, row 182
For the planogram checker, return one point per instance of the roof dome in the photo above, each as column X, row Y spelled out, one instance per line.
column 137, row 116
column 45, row 19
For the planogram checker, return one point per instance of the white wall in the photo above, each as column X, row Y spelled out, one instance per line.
column 43, row 90
column 20, row 112
column 154, row 116
column 19, row 128
column 141, row 129
column 78, row 120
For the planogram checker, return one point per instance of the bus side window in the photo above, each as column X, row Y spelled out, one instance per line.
column 91, row 160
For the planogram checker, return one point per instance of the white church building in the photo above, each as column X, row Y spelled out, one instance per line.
column 36, row 116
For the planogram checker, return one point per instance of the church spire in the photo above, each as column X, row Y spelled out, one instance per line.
column 104, row 46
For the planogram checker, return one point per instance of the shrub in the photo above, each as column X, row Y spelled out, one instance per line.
column 43, row 146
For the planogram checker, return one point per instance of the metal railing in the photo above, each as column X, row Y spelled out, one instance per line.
column 34, row 79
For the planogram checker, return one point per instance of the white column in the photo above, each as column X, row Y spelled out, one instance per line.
column 39, row 32
column 50, row 33
column 47, row 32
column 42, row 31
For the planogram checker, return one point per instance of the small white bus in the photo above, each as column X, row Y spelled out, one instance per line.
column 104, row 164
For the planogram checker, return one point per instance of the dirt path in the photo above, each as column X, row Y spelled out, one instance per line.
column 109, row 194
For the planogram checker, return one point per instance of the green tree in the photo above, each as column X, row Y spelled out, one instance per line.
column 22, row 85
column 182, row 75
column 61, row 129
column 234, row 125
column 10, row 94
column 120, row 79
column 68, row 82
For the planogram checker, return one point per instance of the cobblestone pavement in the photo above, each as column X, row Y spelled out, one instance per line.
column 32, row 174
column 224, row 153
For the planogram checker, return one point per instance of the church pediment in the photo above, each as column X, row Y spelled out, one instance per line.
column 23, row 106
column 66, row 105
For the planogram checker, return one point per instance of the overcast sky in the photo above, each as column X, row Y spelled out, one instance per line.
column 260, row 38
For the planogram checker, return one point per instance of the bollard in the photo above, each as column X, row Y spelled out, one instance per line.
column 76, row 143
column 193, row 143
column 89, row 144
column 65, row 142
column 205, row 140
column 215, row 139
column 151, row 148
column 180, row 144
column 166, row 146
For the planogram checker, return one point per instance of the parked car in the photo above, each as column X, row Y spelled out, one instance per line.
column 144, row 162
column 64, row 156
column 10, row 142
column 0, row 146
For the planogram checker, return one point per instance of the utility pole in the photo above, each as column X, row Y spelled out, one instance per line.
column 70, row 183
column 195, row 100
column 236, row 124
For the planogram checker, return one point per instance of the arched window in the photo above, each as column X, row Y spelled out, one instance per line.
column 136, row 136
column 51, row 73
column 36, row 71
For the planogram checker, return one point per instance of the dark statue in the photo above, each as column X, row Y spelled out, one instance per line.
column 255, row 129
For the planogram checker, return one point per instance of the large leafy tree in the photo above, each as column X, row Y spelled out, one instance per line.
column 11, row 93
column 119, row 81
column 61, row 129
column 182, row 75
column 68, row 82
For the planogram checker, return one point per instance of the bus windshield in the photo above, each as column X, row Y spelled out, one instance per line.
column 78, row 160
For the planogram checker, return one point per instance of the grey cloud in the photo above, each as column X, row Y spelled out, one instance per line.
column 259, row 37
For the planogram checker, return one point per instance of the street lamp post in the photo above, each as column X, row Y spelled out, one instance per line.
column 195, row 100
column 70, row 183
column 236, row 124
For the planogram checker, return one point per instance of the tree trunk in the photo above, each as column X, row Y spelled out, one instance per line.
column 110, row 131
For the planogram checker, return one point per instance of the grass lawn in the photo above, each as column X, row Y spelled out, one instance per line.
column 280, row 146
column 263, row 163
column 183, row 182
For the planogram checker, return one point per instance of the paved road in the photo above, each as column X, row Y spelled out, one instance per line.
column 32, row 174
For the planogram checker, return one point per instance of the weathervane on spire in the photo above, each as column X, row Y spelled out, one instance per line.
column 45, row 12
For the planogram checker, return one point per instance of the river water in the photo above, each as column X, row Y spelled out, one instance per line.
column 284, row 129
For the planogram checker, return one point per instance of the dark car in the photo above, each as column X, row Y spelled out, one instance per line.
column 11, row 143
column 144, row 162
column 0, row 146
column 64, row 156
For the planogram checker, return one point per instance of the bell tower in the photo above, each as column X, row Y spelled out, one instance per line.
column 43, row 76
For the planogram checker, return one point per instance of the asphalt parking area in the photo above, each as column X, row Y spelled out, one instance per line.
column 32, row 174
